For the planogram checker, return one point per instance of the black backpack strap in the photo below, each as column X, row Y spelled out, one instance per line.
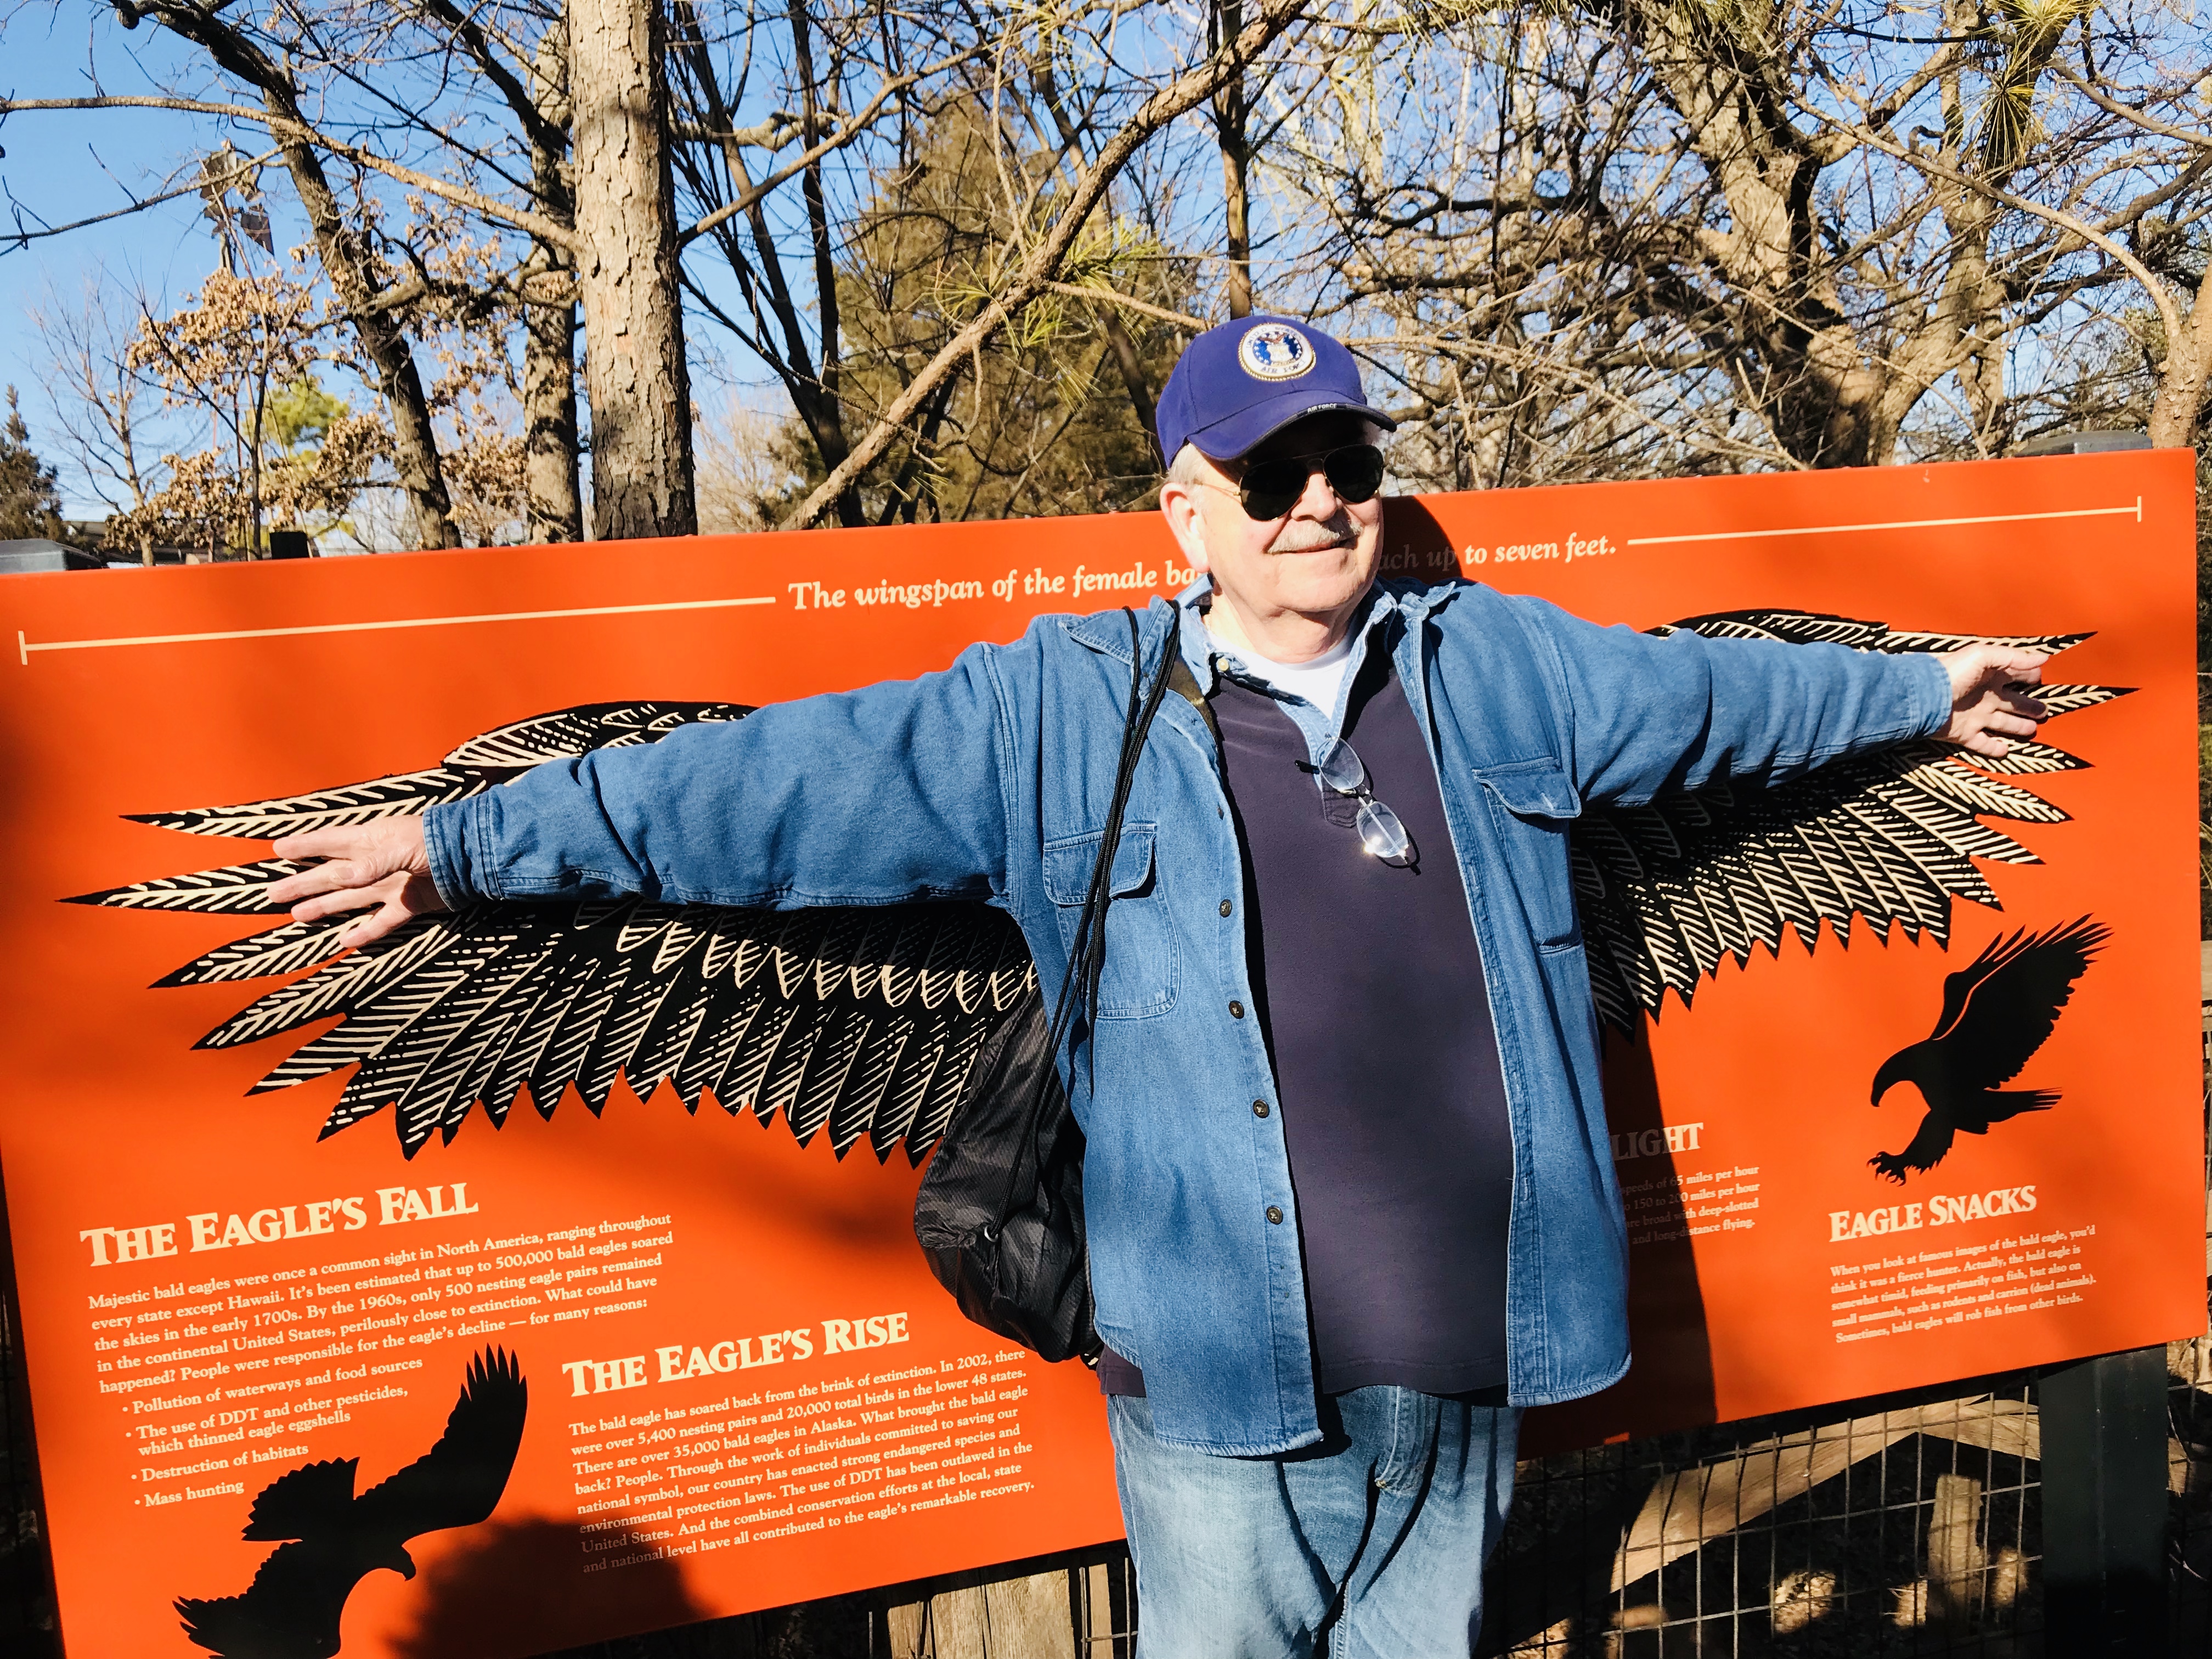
column 1087, row 955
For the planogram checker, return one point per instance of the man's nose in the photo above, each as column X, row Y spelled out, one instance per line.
column 1319, row 501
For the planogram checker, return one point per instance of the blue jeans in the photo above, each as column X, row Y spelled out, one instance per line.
column 1369, row 1546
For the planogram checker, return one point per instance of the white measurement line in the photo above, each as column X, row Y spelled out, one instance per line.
column 2135, row 512
column 24, row 648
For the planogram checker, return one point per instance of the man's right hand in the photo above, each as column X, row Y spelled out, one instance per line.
column 381, row 866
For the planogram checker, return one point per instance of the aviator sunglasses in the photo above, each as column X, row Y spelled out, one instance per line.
column 1270, row 489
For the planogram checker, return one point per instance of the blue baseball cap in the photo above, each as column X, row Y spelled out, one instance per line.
column 1236, row 385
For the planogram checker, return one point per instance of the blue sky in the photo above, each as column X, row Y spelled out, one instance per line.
column 65, row 167
column 71, row 165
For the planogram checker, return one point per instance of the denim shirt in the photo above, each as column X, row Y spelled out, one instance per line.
column 992, row 780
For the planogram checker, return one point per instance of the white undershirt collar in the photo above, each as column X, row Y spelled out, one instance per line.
column 1318, row 680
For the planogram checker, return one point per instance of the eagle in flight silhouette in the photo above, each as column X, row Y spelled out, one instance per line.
column 292, row 1609
column 867, row 1022
column 1997, row 1010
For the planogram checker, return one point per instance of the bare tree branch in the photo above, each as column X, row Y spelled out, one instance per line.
column 2153, row 289
column 477, row 203
column 843, row 136
column 1186, row 92
column 1098, row 291
column 2129, row 113
column 245, row 169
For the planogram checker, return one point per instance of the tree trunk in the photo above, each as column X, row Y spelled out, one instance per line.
column 553, row 499
column 813, row 396
column 830, row 380
column 1833, row 392
column 2180, row 402
column 634, row 370
column 1133, row 379
column 414, row 445
column 1230, row 127
column 553, row 502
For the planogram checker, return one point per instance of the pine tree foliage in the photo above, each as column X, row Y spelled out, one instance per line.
column 30, row 503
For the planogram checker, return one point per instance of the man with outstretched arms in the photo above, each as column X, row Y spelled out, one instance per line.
column 1347, row 1185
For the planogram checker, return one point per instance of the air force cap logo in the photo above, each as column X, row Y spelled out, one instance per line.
column 1274, row 352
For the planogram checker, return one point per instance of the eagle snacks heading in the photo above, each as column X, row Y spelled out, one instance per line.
column 1940, row 1211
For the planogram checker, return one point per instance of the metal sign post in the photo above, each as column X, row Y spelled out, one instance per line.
column 2103, row 1505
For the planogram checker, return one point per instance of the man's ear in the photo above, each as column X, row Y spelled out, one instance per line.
column 1179, row 504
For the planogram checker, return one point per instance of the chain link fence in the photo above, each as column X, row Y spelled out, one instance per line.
column 1905, row 1525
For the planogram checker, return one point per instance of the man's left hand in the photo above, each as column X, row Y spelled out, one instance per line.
column 1993, row 704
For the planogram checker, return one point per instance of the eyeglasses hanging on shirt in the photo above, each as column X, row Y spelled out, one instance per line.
column 1380, row 831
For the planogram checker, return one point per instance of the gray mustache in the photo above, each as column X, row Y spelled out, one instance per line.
column 1303, row 536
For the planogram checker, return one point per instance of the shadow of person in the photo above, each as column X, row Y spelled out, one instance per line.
column 518, row 1586
column 1545, row 1572
column 1415, row 545
column 1670, row 1385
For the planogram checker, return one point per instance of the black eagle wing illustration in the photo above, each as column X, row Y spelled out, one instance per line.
column 866, row 1022
column 288, row 1611
column 2002, row 1007
column 295, row 1602
column 458, row 1482
column 859, row 1021
column 1670, row 890
column 300, row 1501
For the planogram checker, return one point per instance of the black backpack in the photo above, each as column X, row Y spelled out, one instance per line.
column 1000, row 1215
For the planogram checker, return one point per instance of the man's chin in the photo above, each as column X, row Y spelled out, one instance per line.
column 1342, row 567
column 1315, row 592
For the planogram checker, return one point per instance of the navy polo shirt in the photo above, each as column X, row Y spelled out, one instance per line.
column 1371, row 994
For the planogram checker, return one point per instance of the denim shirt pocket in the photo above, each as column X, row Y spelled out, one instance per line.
column 1140, row 975
column 1533, row 806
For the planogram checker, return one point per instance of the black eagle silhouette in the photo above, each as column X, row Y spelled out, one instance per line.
column 1997, row 1010
column 292, row 1609
column 852, row 1022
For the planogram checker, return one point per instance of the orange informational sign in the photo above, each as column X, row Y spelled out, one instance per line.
column 341, row 1334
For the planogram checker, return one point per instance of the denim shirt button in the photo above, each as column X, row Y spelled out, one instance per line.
column 1259, row 1108
column 1275, row 1214
column 1226, row 907
column 1235, row 1010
